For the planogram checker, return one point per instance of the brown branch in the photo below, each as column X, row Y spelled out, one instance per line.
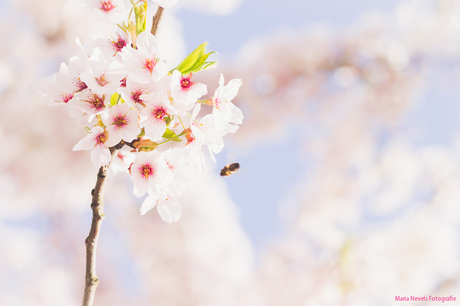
column 97, row 205
column 156, row 20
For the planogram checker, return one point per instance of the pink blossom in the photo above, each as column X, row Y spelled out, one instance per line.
column 153, row 116
column 185, row 92
column 103, row 75
column 144, row 64
column 115, row 10
column 226, row 114
column 95, row 140
column 149, row 173
column 121, row 124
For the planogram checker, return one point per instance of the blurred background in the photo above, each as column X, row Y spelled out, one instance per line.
column 349, row 188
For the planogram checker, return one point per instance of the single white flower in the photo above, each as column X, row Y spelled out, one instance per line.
column 153, row 116
column 92, row 104
column 60, row 89
column 149, row 173
column 109, row 47
column 205, row 132
column 226, row 114
column 185, row 92
column 95, row 140
column 116, row 10
column 121, row 124
column 132, row 92
column 144, row 64
column 103, row 76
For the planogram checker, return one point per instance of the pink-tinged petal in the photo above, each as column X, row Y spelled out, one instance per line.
column 130, row 132
column 169, row 209
column 148, row 204
column 195, row 111
column 160, row 70
column 114, row 136
column 100, row 156
column 90, row 140
column 85, row 144
column 154, row 129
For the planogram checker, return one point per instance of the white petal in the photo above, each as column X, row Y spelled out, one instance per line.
column 100, row 156
column 148, row 204
column 169, row 210
column 85, row 144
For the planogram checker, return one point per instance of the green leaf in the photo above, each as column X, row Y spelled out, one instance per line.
column 142, row 134
column 168, row 120
column 196, row 61
column 140, row 13
column 168, row 134
column 114, row 99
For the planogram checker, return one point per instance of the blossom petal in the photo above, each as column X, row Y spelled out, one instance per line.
column 148, row 204
column 169, row 209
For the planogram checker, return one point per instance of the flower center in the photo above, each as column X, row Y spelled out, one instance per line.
column 118, row 44
column 146, row 171
column 149, row 64
column 66, row 97
column 159, row 113
column 102, row 80
column 137, row 96
column 80, row 85
column 185, row 83
column 121, row 121
column 97, row 102
column 101, row 139
column 123, row 82
column 107, row 6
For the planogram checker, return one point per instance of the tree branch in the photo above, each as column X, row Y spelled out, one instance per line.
column 156, row 20
column 97, row 205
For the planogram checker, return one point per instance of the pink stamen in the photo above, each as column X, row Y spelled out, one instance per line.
column 102, row 80
column 66, row 97
column 80, row 85
column 185, row 83
column 121, row 121
column 150, row 64
column 146, row 171
column 96, row 101
column 159, row 113
column 107, row 6
column 101, row 139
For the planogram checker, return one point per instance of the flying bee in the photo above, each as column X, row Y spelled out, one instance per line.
column 229, row 169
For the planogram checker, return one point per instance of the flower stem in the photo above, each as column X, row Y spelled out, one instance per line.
column 156, row 20
column 97, row 205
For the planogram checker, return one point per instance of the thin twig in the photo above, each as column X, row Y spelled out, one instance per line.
column 97, row 205
column 156, row 20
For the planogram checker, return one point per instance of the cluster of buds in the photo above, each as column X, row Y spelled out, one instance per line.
column 126, row 97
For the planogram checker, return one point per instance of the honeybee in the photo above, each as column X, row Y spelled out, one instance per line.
column 229, row 169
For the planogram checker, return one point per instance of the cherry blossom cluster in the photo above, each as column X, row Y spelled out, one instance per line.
column 124, row 95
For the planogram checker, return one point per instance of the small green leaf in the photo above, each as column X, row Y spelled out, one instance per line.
column 114, row 99
column 196, row 61
column 140, row 12
column 168, row 134
column 168, row 120
column 142, row 134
